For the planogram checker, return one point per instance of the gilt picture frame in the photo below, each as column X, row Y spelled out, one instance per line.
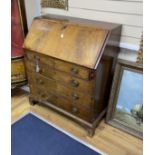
column 125, row 109
column 59, row 4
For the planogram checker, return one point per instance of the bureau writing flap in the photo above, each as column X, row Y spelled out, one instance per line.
column 73, row 43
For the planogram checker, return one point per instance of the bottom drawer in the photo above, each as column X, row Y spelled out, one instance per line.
column 83, row 112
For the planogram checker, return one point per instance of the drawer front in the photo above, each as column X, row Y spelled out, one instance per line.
column 69, row 81
column 82, row 111
column 56, row 88
column 39, row 59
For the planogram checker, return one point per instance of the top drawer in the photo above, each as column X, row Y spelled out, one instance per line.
column 39, row 59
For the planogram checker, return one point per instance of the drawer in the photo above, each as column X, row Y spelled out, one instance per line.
column 70, row 81
column 81, row 111
column 55, row 87
column 39, row 60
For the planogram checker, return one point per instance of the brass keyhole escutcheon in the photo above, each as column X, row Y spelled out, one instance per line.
column 74, row 110
column 62, row 31
column 75, row 96
column 37, row 59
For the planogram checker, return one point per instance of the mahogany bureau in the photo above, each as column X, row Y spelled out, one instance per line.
column 69, row 64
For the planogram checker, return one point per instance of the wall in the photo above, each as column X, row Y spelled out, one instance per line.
column 33, row 9
column 129, row 13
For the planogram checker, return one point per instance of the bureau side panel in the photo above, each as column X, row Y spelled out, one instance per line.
column 103, row 83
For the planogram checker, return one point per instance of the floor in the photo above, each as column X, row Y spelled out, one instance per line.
column 107, row 138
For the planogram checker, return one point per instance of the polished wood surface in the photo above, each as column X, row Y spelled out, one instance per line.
column 107, row 138
column 81, row 45
column 40, row 82
column 84, row 100
column 59, row 65
column 81, row 21
column 56, row 77
column 68, row 62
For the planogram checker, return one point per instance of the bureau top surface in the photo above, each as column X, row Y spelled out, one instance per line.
column 69, row 41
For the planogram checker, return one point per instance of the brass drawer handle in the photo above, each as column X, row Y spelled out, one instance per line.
column 75, row 96
column 74, row 70
column 74, row 110
column 37, row 59
column 38, row 70
column 74, row 83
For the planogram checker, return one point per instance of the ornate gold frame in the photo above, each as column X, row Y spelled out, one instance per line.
column 60, row 4
column 140, row 52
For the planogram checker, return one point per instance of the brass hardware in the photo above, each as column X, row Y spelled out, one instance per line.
column 38, row 69
column 74, row 83
column 140, row 52
column 75, row 96
column 74, row 70
column 61, row 4
column 62, row 31
column 62, row 35
column 63, row 27
column 74, row 110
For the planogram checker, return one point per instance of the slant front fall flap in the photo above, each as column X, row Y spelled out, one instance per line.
column 81, row 45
